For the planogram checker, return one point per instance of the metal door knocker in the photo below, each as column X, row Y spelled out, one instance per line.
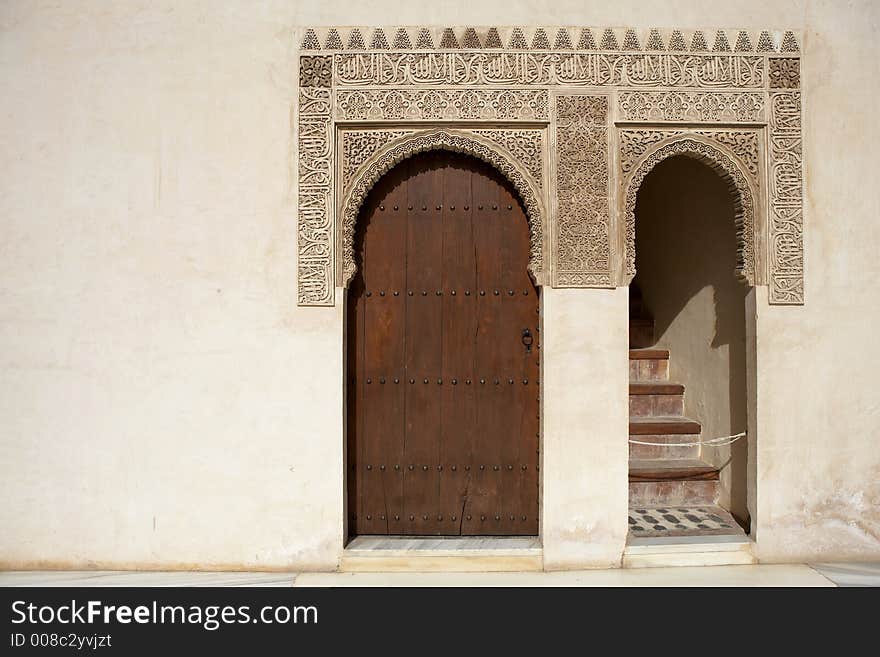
column 527, row 340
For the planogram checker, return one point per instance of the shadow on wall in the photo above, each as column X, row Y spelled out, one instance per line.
column 685, row 263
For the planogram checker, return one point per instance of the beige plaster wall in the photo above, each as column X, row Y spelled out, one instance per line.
column 584, row 451
column 818, row 466
column 165, row 403
column 163, row 400
column 685, row 262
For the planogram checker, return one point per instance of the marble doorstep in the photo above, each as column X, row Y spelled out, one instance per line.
column 144, row 578
column 444, row 543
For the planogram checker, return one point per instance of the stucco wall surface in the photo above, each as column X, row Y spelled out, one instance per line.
column 165, row 403
column 584, row 459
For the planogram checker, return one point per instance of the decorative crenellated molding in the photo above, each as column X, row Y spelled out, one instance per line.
column 575, row 117
column 547, row 39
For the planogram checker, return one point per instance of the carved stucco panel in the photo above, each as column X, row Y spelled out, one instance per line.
column 315, row 181
column 785, row 72
column 527, row 146
column 450, row 69
column 419, row 38
column 316, row 71
column 694, row 106
column 481, row 82
column 786, row 200
column 582, row 244
column 360, row 145
column 442, row 104
column 743, row 144
column 524, row 144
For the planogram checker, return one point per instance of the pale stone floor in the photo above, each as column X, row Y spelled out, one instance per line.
column 838, row 574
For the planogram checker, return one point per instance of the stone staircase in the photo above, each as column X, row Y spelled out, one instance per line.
column 661, row 475
column 672, row 491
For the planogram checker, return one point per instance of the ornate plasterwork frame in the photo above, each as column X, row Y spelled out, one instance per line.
column 483, row 144
column 575, row 126
column 733, row 154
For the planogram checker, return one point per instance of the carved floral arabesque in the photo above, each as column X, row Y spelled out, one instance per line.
column 315, row 71
column 459, row 141
column 442, row 104
column 690, row 145
column 524, row 144
column 743, row 143
column 786, row 200
column 785, row 73
column 582, row 254
column 315, row 226
column 697, row 106
column 558, row 68
column 527, row 146
column 360, row 145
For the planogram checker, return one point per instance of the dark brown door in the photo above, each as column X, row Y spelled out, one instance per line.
column 443, row 355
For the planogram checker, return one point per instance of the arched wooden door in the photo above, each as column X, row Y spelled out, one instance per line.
column 443, row 396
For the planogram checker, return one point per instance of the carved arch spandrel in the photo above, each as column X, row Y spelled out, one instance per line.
column 460, row 141
column 743, row 189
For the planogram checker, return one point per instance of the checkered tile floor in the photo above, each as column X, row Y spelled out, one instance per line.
column 681, row 521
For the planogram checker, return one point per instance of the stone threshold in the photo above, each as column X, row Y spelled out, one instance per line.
column 442, row 554
column 676, row 551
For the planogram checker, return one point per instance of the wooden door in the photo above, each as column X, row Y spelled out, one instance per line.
column 443, row 391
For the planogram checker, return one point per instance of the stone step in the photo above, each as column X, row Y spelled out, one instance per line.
column 668, row 482
column 660, row 470
column 661, row 450
column 662, row 426
column 701, row 549
column 641, row 333
column 673, row 493
column 655, row 388
column 643, row 354
column 648, row 365
column 651, row 399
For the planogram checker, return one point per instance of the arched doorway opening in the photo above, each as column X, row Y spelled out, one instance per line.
column 688, row 356
column 442, row 348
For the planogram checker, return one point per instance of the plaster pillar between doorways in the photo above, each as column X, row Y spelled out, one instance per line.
column 585, row 424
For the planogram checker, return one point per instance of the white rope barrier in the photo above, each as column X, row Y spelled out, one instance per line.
column 713, row 442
